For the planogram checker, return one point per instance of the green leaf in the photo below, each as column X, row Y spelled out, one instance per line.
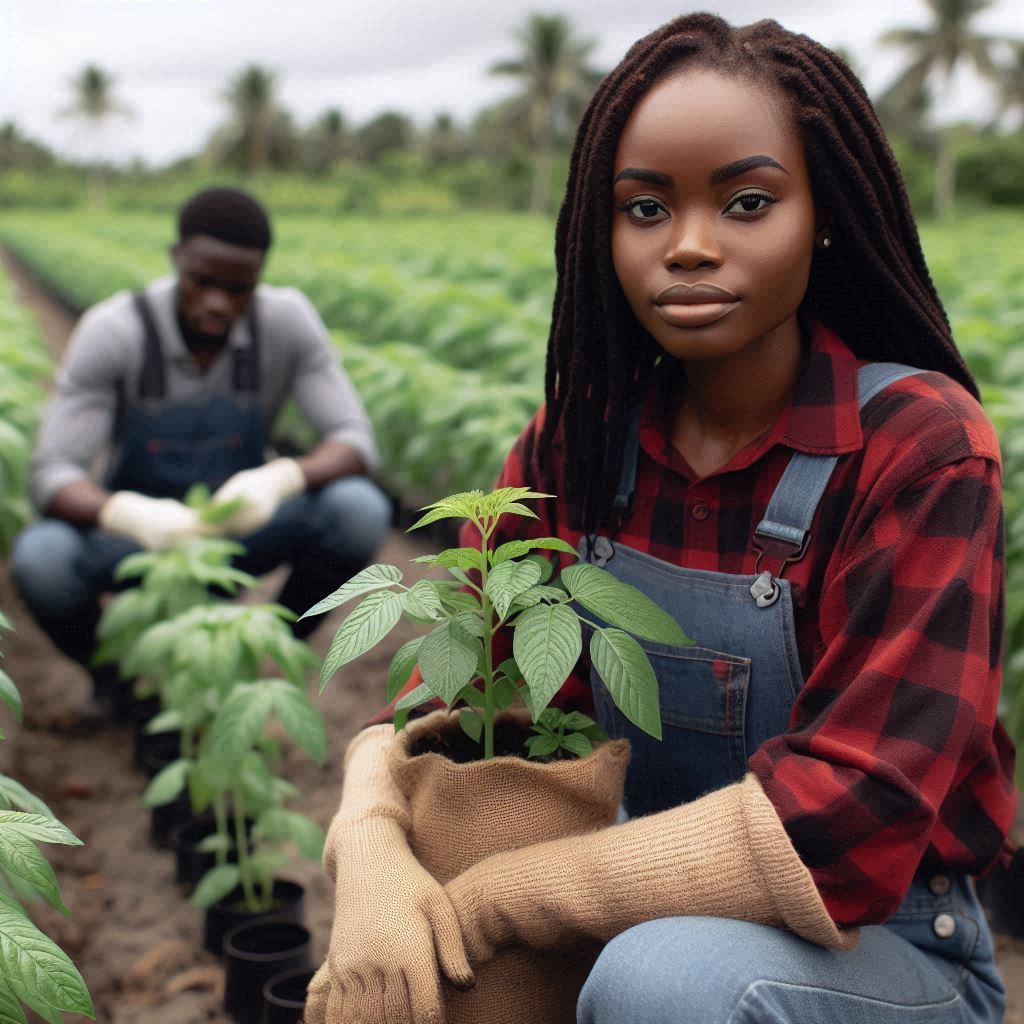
column 448, row 659
column 546, row 644
column 165, row 721
column 9, row 694
column 518, row 548
column 472, row 696
column 368, row 624
column 279, row 824
column 621, row 605
column 541, row 746
column 413, row 699
column 237, row 725
column 10, row 1005
column 373, row 577
column 505, row 693
column 423, row 602
column 215, row 885
column 401, row 666
column 471, row 724
column 578, row 744
column 623, row 667
column 507, row 581
column 461, row 558
column 22, row 858
column 38, row 971
column 39, row 827
column 535, row 595
column 221, row 512
column 167, row 783
column 576, row 721
column 302, row 721
column 14, row 794
column 509, row 669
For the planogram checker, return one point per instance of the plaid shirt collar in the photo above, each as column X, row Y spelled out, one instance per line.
column 824, row 418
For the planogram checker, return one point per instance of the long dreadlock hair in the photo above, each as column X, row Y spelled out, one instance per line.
column 599, row 356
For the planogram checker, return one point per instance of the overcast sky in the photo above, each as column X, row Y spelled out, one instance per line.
column 172, row 58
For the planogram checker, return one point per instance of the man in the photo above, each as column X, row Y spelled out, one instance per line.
column 180, row 384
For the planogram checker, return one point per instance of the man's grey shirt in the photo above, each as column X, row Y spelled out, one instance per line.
column 105, row 355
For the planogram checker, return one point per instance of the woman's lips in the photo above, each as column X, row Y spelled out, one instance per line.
column 694, row 305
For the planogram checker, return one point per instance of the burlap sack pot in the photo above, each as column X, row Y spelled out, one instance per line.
column 462, row 813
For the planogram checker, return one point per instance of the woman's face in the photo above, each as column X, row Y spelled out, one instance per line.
column 713, row 225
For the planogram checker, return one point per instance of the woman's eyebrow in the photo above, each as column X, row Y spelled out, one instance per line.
column 643, row 174
column 748, row 163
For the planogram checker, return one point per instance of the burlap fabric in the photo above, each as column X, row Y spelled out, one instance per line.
column 462, row 813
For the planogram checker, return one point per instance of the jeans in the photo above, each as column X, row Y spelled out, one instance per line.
column 61, row 570
column 930, row 963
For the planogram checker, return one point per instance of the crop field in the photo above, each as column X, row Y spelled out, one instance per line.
column 442, row 323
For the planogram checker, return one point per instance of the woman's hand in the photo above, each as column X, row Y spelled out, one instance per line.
column 394, row 935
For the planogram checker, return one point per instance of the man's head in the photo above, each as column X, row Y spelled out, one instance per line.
column 223, row 237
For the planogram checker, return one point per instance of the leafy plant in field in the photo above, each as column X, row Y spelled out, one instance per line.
column 33, row 969
column 235, row 763
column 209, row 665
column 514, row 588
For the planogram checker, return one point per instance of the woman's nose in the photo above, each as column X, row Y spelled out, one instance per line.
column 693, row 244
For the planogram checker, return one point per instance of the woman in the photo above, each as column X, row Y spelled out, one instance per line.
column 756, row 413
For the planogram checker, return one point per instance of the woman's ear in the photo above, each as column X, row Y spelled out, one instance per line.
column 823, row 229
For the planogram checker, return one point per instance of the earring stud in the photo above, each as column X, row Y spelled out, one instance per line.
column 826, row 241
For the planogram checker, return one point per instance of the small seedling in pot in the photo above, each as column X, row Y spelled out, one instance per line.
column 511, row 587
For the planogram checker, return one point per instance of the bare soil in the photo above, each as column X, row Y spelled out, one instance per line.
column 132, row 933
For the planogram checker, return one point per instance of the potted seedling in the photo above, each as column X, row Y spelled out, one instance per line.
column 250, row 908
column 196, row 660
column 34, row 970
column 546, row 771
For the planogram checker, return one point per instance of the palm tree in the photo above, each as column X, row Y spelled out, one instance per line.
column 94, row 104
column 327, row 141
column 935, row 53
column 255, row 116
column 1011, row 91
column 557, row 83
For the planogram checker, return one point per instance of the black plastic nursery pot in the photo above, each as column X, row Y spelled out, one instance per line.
column 254, row 952
column 284, row 996
column 229, row 912
column 156, row 750
column 1001, row 893
column 190, row 862
column 166, row 818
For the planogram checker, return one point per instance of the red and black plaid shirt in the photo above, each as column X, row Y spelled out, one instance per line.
column 894, row 758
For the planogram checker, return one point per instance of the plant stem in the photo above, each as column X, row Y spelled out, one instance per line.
column 242, row 845
column 220, row 816
column 488, row 614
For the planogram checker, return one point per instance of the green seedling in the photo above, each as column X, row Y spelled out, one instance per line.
column 34, row 970
column 511, row 587
column 211, row 513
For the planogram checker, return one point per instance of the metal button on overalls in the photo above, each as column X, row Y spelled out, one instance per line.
column 939, row 884
column 944, row 926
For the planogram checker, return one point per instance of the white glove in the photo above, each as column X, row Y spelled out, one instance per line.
column 154, row 523
column 262, row 490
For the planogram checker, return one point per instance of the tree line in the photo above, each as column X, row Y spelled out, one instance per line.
column 527, row 136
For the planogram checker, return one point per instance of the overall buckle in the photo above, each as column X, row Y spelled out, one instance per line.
column 765, row 590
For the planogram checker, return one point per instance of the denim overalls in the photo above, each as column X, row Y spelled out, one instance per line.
column 722, row 698
column 165, row 447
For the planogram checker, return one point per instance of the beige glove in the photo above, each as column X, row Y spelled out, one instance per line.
column 394, row 927
column 262, row 490
column 724, row 855
column 155, row 523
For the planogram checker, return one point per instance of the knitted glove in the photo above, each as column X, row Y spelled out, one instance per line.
column 393, row 924
column 724, row 855
column 154, row 523
column 262, row 490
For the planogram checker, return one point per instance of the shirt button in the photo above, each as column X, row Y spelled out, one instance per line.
column 939, row 884
column 700, row 511
column 944, row 926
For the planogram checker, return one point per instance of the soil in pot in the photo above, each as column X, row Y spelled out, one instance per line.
column 225, row 914
column 509, row 741
column 254, row 952
column 1001, row 893
column 284, row 996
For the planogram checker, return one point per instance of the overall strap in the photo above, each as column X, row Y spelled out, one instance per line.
column 245, row 372
column 783, row 533
column 151, row 378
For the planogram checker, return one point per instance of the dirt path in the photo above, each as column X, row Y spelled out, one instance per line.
column 132, row 934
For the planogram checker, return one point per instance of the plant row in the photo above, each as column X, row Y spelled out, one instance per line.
column 25, row 366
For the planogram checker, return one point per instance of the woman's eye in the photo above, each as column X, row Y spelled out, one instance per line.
column 751, row 202
column 644, row 208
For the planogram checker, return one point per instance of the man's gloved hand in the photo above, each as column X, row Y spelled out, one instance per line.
column 262, row 490
column 394, row 931
column 724, row 855
column 154, row 523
